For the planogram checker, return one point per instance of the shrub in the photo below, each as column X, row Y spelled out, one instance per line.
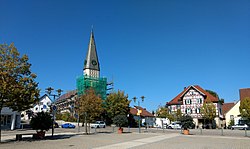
column 120, row 120
column 41, row 121
column 186, row 121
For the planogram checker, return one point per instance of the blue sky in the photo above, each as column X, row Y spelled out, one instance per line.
column 149, row 47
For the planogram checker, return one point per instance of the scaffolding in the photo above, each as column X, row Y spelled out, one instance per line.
column 85, row 82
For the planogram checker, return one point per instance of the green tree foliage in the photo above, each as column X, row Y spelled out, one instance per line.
column 90, row 104
column 208, row 111
column 41, row 121
column 245, row 108
column 66, row 116
column 178, row 114
column 162, row 112
column 18, row 89
column 186, row 121
column 213, row 93
column 117, row 103
column 120, row 120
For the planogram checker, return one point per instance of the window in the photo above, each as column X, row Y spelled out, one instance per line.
column 188, row 111
column 198, row 110
column 231, row 117
column 188, row 101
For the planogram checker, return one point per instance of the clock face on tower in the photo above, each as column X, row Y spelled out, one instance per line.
column 94, row 62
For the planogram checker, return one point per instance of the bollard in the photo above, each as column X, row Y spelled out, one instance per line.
column 245, row 132
column 222, row 132
column 95, row 130
column 201, row 131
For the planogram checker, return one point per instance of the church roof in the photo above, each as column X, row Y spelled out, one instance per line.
column 91, row 61
column 176, row 100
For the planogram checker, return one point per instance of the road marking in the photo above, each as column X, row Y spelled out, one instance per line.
column 138, row 142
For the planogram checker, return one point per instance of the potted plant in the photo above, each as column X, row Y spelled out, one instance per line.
column 186, row 123
column 120, row 120
column 41, row 122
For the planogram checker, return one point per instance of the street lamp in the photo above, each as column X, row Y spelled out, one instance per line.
column 139, row 111
column 49, row 91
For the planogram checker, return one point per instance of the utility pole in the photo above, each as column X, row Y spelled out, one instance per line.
column 53, row 106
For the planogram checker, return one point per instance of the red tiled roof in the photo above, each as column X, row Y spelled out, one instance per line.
column 244, row 92
column 226, row 107
column 177, row 99
column 144, row 113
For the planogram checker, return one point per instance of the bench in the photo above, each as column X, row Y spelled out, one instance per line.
column 19, row 136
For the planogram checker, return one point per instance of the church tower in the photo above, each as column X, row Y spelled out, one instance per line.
column 91, row 73
column 91, row 63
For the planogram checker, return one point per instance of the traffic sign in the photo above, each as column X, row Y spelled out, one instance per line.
column 54, row 108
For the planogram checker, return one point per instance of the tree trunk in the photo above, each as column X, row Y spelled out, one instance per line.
column 0, row 123
column 85, row 119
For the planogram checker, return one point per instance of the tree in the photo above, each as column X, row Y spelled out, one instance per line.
column 18, row 89
column 178, row 114
column 41, row 121
column 117, row 103
column 120, row 120
column 208, row 111
column 162, row 112
column 186, row 122
column 245, row 108
column 91, row 105
column 213, row 93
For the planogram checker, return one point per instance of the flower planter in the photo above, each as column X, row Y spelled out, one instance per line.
column 186, row 132
column 120, row 130
column 39, row 135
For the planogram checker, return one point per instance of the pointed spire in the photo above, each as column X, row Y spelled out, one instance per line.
column 91, row 62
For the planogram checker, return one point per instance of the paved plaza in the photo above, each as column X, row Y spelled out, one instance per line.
column 148, row 139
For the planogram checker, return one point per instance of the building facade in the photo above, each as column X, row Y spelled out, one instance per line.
column 191, row 100
column 231, row 112
column 10, row 119
column 66, row 102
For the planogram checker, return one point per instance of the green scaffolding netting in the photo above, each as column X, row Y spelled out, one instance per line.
column 85, row 82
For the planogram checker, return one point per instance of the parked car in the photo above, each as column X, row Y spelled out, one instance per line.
column 240, row 126
column 98, row 124
column 68, row 125
column 174, row 125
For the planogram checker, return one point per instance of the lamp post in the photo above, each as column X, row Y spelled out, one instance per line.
column 49, row 91
column 139, row 111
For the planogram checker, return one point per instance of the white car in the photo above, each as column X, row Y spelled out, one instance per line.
column 174, row 125
column 240, row 126
column 98, row 124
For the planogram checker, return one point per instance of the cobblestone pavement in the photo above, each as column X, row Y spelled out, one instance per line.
column 149, row 139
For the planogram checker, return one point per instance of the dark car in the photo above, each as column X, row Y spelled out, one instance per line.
column 56, row 125
column 68, row 125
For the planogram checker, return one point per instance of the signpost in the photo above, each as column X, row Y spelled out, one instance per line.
column 53, row 118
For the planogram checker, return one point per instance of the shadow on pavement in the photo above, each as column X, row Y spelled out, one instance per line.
column 30, row 139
